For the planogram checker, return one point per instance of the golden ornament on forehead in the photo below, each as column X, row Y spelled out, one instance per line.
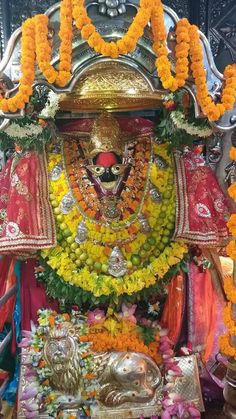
column 105, row 137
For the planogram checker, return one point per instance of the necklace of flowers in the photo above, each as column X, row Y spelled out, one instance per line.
column 113, row 233
column 94, row 257
column 226, row 347
column 180, row 122
column 16, row 131
column 99, row 283
column 84, row 192
column 38, row 372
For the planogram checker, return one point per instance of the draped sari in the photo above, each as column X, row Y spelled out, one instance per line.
column 202, row 208
column 26, row 219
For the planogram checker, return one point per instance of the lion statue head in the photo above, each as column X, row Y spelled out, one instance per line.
column 61, row 354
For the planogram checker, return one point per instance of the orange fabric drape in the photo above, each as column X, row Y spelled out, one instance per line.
column 173, row 311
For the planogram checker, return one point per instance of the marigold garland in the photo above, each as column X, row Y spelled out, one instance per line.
column 230, row 289
column 229, row 282
column 112, row 49
column 84, row 265
column 231, row 250
column 123, row 341
column 226, row 347
column 228, row 319
column 212, row 110
column 35, row 40
column 232, row 153
column 112, row 333
column 100, row 284
column 231, row 224
column 159, row 46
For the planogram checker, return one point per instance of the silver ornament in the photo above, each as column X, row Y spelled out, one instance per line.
column 109, row 209
column 121, row 9
column 117, row 266
column 155, row 194
column 160, row 162
column 102, row 9
column 67, row 203
column 112, row 4
column 82, row 231
column 55, row 172
column 112, row 12
column 112, row 8
column 144, row 226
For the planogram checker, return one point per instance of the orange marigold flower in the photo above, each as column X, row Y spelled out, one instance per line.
column 231, row 249
column 231, row 224
column 232, row 191
column 232, row 155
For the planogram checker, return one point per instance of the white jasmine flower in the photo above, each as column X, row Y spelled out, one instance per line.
column 52, row 106
column 28, row 130
column 154, row 308
column 180, row 122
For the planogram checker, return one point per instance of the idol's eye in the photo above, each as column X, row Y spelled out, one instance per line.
column 96, row 170
column 118, row 169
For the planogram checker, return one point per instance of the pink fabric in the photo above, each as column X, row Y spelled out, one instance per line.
column 129, row 125
column 26, row 219
column 33, row 295
column 202, row 207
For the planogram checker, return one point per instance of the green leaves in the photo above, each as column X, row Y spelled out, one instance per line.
column 22, row 134
column 147, row 334
column 57, row 288
column 168, row 132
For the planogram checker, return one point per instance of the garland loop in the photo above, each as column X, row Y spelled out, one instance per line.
column 36, row 45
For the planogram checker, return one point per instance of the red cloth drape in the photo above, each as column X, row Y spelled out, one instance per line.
column 7, row 281
column 201, row 207
column 33, row 295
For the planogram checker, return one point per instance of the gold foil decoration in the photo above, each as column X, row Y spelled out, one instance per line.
column 105, row 137
column 112, row 86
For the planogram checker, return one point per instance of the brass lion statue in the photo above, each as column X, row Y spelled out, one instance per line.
column 124, row 377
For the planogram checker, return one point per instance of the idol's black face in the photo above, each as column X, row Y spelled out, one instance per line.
column 107, row 168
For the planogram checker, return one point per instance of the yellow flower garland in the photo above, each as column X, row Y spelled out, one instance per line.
column 64, row 261
column 34, row 39
column 100, row 284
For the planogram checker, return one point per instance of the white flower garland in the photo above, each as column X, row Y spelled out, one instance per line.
column 180, row 122
column 29, row 130
column 51, row 107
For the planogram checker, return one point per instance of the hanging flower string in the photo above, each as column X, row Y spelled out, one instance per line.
column 35, row 45
column 226, row 346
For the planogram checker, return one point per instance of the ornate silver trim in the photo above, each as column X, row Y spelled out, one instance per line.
column 134, row 60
